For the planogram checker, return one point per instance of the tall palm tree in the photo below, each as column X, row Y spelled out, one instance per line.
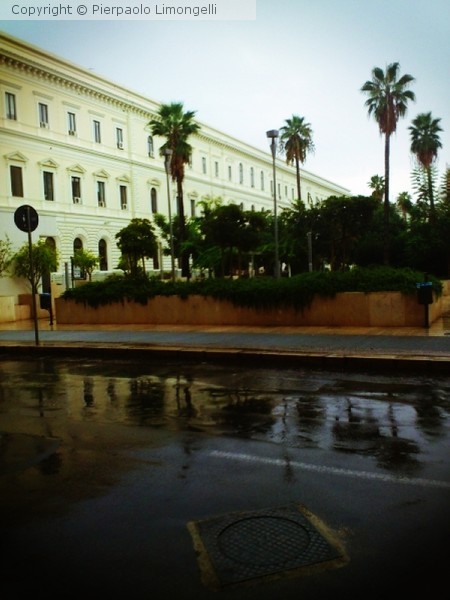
column 376, row 184
column 176, row 125
column 296, row 141
column 387, row 101
column 404, row 204
column 425, row 144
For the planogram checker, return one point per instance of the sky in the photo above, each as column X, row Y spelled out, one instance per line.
column 298, row 57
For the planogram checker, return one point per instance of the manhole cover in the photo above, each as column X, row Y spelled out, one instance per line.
column 240, row 547
column 263, row 541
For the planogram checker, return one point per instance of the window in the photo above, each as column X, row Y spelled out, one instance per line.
column 43, row 114
column 77, row 245
column 230, row 174
column 192, row 207
column 119, row 137
column 216, row 168
column 10, row 101
column 48, row 185
column 71, row 123
column 154, row 201
column 252, row 177
column 102, row 255
column 279, row 190
column 150, row 147
column 262, row 180
column 101, row 196
column 204, row 165
column 241, row 173
column 285, row 191
column 97, row 132
column 16, row 181
column 76, row 190
column 123, row 197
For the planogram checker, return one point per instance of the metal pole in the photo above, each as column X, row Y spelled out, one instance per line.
column 310, row 264
column 168, row 154
column 273, row 134
column 33, row 286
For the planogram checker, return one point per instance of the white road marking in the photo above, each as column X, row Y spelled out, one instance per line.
column 333, row 470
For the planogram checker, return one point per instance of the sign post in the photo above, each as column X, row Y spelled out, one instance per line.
column 27, row 219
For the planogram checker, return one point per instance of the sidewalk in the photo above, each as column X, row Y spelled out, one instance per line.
column 424, row 348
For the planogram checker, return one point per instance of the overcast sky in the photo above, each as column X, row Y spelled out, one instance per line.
column 303, row 57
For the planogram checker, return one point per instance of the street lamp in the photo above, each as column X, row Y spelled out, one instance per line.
column 168, row 154
column 273, row 135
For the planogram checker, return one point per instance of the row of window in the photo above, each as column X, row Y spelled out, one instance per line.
column 43, row 117
column 48, row 186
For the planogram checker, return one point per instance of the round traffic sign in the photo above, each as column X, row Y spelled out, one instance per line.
column 26, row 218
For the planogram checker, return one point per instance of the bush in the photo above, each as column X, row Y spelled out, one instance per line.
column 259, row 292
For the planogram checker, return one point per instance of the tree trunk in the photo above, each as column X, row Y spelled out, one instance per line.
column 430, row 193
column 184, row 258
column 387, row 235
column 297, row 169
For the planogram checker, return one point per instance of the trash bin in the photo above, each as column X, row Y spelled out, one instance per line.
column 45, row 301
column 425, row 292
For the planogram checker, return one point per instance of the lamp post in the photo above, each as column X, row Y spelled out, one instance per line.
column 273, row 135
column 168, row 154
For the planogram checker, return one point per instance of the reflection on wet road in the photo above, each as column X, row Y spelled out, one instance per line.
column 394, row 422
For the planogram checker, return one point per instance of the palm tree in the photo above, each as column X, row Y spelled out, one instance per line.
column 296, row 142
column 404, row 204
column 425, row 144
column 376, row 184
column 387, row 101
column 176, row 125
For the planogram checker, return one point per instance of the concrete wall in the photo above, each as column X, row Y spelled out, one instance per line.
column 351, row 309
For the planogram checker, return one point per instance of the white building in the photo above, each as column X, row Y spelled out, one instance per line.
column 77, row 148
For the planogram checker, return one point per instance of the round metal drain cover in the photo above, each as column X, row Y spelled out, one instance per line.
column 263, row 540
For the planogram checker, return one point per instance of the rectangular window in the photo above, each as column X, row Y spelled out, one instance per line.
column 123, row 197
column 192, row 207
column 71, row 123
column 76, row 190
column 229, row 173
column 43, row 114
column 204, row 165
column 262, row 180
column 97, row 132
column 216, row 168
column 241, row 173
column 16, row 181
column 101, row 197
column 252, row 177
column 48, row 185
column 119, row 137
column 279, row 190
column 10, row 101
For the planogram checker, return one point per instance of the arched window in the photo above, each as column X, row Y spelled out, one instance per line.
column 150, row 147
column 154, row 200
column 102, row 254
column 46, row 278
column 77, row 244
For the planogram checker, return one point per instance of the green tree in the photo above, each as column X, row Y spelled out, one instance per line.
column 296, row 141
column 376, row 184
column 44, row 260
column 404, row 204
column 86, row 260
column 388, row 97
column 136, row 241
column 5, row 255
column 176, row 126
column 425, row 143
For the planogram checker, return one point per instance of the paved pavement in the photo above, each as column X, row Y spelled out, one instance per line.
column 132, row 511
column 425, row 348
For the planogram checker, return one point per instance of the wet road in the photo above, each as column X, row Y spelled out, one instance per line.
column 105, row 464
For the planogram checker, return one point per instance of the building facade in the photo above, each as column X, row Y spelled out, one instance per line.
column 77, row 148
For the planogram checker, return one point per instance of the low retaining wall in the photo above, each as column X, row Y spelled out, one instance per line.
column 350, row 309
